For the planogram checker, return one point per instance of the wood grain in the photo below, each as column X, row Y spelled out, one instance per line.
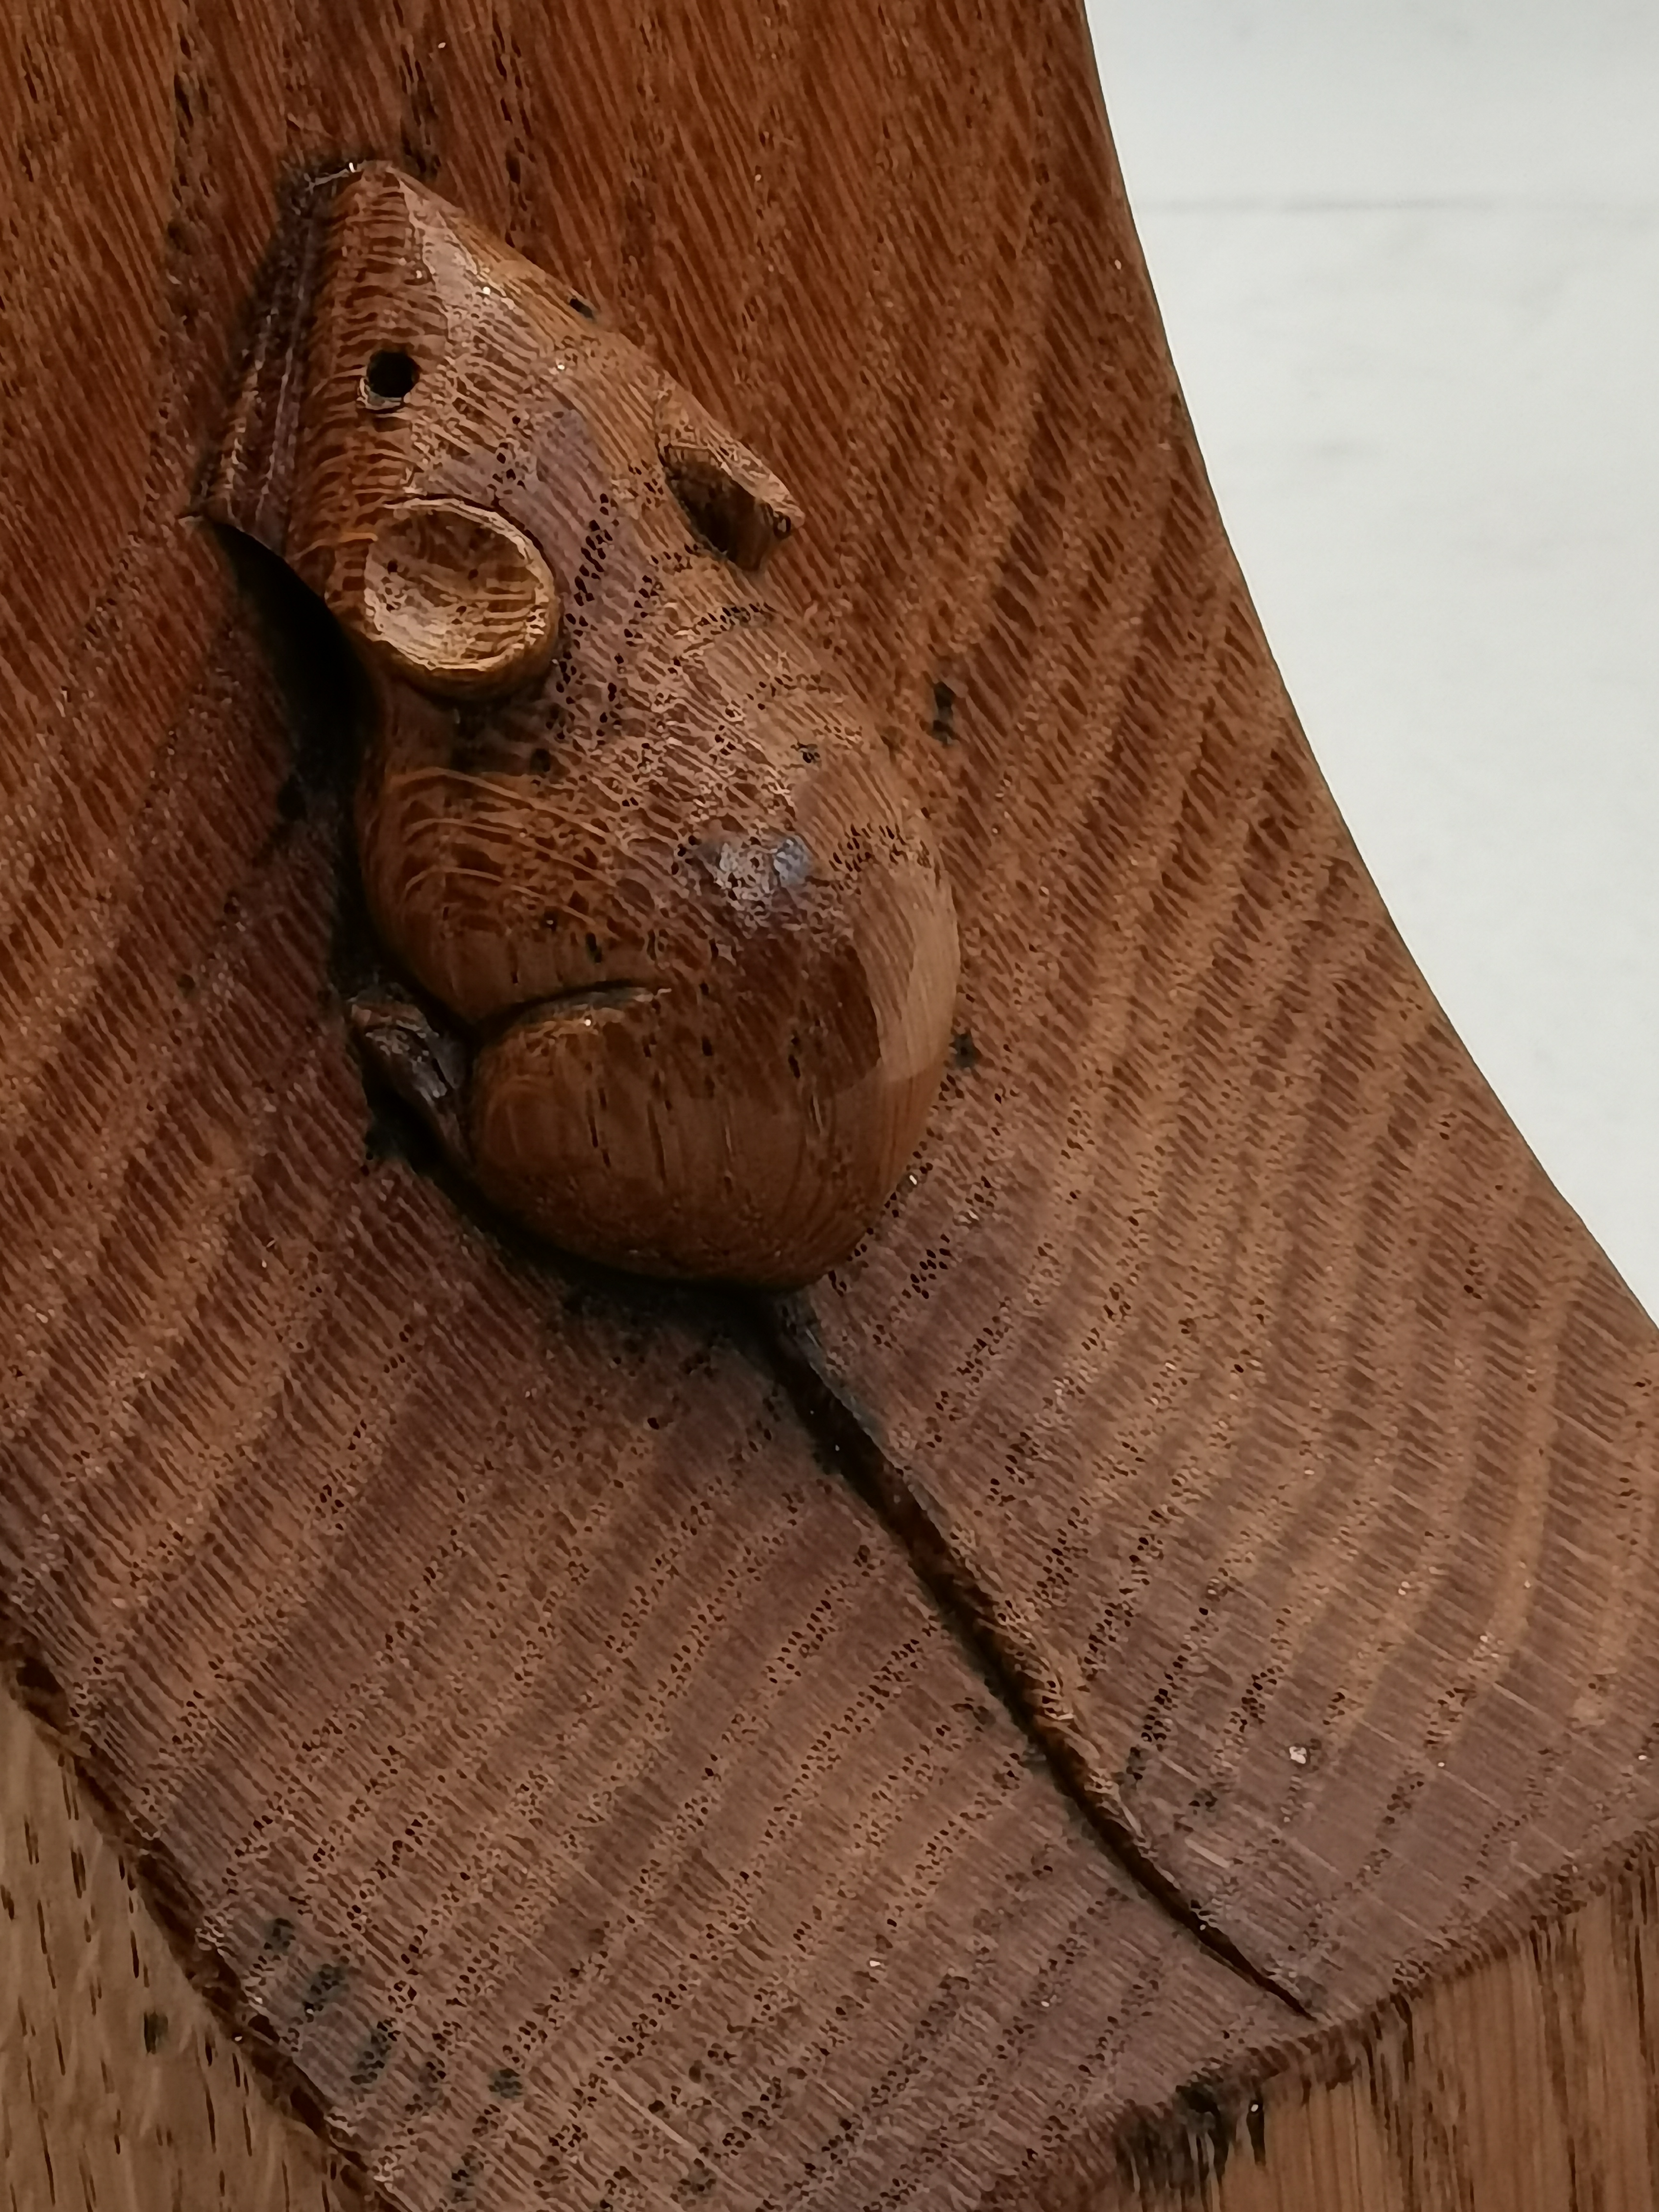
column 585, row 1785
column 1509, row 2083
column 117, row 2087
column 1525, row 2077
column 1230, row 1326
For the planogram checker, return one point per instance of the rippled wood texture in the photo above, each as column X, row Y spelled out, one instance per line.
column 581, row 1780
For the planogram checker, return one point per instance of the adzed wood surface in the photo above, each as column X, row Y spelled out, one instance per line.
column 1525, row 2078
column 641, row 1748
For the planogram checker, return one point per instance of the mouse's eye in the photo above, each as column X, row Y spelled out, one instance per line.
column 388, row 380
column 457, row 599
column 729, row 495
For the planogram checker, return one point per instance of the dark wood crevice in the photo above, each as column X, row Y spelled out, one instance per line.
column 1004, row 1653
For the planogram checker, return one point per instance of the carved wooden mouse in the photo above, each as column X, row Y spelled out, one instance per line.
column 688, row 952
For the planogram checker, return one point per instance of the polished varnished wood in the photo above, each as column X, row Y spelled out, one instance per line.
column 602, row 1803
column 616, row 817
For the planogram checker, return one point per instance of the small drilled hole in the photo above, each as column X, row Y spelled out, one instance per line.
column 390, row 376
column 584, row 307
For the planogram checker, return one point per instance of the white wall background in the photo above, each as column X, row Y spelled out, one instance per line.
column 1407, row 253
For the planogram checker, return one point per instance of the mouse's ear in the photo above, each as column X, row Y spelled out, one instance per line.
column 456, row 599
column 731, row 498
